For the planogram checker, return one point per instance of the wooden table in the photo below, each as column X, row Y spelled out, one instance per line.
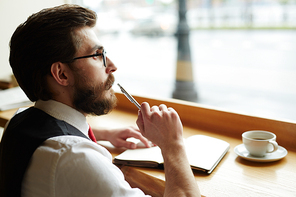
column 234, row 176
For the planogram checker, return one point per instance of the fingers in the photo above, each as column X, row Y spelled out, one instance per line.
column 159, row 108
column 145, row 141
column 163, row 107
column 136, row 134
column 125, row 144
column 119, row 138
column 145, row 109
column 146, row 113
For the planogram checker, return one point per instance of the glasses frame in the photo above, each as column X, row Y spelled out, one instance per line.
column 103, row 54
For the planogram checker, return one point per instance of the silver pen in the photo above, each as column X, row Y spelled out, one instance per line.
column 129, row 97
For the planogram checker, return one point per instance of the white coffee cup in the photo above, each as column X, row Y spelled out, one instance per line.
column 258, row 143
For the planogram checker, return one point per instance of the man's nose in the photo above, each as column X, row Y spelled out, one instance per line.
column 110, row 66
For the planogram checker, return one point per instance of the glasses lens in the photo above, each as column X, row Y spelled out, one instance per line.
column 104, row 58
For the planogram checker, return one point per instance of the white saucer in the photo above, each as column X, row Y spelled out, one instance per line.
column 241, row 151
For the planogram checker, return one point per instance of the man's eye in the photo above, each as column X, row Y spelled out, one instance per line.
column 99, row 53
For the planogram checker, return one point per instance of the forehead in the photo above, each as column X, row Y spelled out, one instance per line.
column 87, row 41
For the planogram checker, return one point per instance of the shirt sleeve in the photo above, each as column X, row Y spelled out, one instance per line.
column 84, row 169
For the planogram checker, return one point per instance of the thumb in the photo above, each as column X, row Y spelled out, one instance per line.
column 124, row 143
column 129, row 145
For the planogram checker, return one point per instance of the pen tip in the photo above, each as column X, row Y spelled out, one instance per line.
column 119, row 85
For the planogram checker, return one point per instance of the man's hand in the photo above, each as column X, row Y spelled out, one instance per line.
column 161, row 125
column 118, row 137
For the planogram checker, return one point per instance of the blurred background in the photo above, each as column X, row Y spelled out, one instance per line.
column 243, row 52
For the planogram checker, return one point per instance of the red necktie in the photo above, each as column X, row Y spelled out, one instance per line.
column 91, row 135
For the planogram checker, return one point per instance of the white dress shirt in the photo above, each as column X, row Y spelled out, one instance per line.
column 72, row 166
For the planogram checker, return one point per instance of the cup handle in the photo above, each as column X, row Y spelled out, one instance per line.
column 275, row 146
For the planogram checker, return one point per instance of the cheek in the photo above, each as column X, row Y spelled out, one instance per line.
column 100, row 74
column 92, row 73
column 96, row 75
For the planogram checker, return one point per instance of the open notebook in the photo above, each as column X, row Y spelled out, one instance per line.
column 203, row 152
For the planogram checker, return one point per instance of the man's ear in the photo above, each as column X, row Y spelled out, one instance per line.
column 61, row 73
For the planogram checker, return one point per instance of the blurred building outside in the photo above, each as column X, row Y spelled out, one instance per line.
column 156, row 17
column 243, row 52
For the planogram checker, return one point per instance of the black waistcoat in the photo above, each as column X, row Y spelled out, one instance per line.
column 25, row 132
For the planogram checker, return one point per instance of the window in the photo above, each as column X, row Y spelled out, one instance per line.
column 242, row 54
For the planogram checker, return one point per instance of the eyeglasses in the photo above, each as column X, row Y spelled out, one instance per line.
column 103, row 54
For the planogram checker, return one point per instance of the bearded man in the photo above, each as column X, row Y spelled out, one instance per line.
column 49, row 149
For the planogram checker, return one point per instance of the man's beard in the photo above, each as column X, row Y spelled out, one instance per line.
column 92, row 99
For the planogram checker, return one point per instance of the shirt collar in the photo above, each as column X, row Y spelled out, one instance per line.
column 64, row 112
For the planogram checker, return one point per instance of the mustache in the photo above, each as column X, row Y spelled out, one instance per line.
column 109, row 82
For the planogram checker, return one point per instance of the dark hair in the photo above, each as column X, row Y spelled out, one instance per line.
column 45, row 38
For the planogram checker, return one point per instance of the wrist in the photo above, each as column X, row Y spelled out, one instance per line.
column 101, row 134
column 173, row 149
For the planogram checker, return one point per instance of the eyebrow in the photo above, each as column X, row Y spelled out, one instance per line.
column 96, row 47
